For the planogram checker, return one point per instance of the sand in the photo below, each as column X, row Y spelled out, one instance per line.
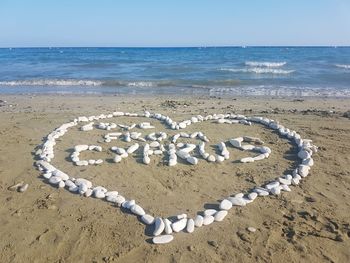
column 45, row 224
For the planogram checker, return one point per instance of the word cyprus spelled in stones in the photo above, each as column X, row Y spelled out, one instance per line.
column 164, row 228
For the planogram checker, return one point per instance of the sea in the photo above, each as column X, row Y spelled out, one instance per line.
column 214, row 71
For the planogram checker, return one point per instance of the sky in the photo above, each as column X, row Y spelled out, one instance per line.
column 49, row 23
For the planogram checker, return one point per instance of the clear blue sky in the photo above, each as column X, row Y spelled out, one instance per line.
column 173, row 23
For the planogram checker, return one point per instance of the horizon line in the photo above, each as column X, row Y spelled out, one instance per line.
column 190, row 46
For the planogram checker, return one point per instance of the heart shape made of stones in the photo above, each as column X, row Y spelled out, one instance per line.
column 56, row 177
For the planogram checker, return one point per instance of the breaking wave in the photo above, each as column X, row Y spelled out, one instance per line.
column 265, row 64
column 259, row 70
column 343, row 66
column 52, row 82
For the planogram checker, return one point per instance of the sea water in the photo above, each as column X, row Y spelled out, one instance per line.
column 272, row 71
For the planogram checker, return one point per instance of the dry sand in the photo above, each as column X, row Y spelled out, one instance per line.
column 45, row 224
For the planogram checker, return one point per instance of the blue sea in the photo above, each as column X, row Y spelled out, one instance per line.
column 272, row 71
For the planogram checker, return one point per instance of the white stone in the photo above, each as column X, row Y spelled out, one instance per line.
column 117, row 158
column 252, row 195
column 147, row 219
column 192, row 160
column 162, row 239
column 181, row 216
column 271, row 185
column 158, row 226
column 247, row 160
column 190, row 225
column 128, row 204
column 207, row 220
column 198, row 221
column 179, row 225
column 211, row 158
column 275, row 190
column 168, row 229
column 99, row 194
column 137, row 210
column 209, row 212
column 237, row 201
column 225, row 205
column 146, row 159
column 220, row 215
column 284, row 181
column 132, row 148
column 303, row 154
column 55, row 180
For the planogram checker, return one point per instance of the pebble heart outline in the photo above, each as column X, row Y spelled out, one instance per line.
column 56, row 177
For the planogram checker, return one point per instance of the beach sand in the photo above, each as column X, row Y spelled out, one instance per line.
column 45, row 224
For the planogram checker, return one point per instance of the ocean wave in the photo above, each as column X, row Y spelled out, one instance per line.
column 52, row 82
column 344, row 66
column 259, row 70
column 265, row 64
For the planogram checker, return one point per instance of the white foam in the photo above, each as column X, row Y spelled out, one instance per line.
column 266, row 64
column 51, row 82
column 259, row 70
column 343, row 66
column 141, row 84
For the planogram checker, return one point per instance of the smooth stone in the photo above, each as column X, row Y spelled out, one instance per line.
column 275, row 190
column 259, row 157
column 308, row 162
column 99, row 161
column 303, row 170
column 23, row 188
column 271, row 185
column 251, row 229
column 209, row 212
column 207, row 220
column 247, row 160
column 112, row 193
column 247, row 147
column 211, row 158
column 239, row 195
column 182, row 154
column 284, row 181
column 167, row 229
column 220, row 158
column 285, row 187
column 55, row 180
column 162, row 239
column 192, row 160
column 111, row 198
column 198, row 221
column 237, row 142
column 225, row 205
column 99, row 194
column 132, row 148
column 236, row 201
column 61, row 184
column 261, row 192
column 117, row 159
column 158, row 226
column 295, row 181
column 147, row 219
column 220, row 215
column 181, row 216
column 61, row 174
column 119, row 200
column 252, row 195
column 87, row 193
column 80, row 181
column 154, row 144
column 303, row 154
column 137, row 210
column 128, row 204
column 179, row 225
column 190, row 225
column 146, row 159
column 82, row 163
